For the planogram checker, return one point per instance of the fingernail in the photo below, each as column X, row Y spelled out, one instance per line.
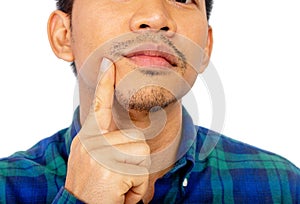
column 105, row 64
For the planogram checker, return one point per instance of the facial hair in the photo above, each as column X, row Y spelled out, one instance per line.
column 148, row 98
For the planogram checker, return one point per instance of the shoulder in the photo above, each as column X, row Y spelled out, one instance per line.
column 248, row 167
column 48, row 155
column 233, row 150
column 41, row 154
column 34, row 175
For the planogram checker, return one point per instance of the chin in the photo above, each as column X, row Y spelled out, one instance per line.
column 148, row 99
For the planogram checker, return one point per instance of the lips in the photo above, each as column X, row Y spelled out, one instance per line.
column 152, row 56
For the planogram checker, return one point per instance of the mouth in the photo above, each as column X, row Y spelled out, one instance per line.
column 152, row 56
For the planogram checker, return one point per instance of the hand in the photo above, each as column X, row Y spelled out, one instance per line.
column 107, row 165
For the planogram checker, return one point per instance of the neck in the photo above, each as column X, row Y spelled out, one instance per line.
column 160, row 127
column 163, row 133
column 163, row 145
column 162, row 130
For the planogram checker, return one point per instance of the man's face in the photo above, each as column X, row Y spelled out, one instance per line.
column 94, row 22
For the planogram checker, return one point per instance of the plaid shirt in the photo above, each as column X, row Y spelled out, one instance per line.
column 233, row 172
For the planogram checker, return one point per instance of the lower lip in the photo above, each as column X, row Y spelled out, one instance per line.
column 150, row 61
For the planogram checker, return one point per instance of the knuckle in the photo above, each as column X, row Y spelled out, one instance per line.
column 146, row 149
column 133, row 134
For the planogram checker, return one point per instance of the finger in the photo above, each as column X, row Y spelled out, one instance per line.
column 124, row 136
column 138, row 189
column 104, row 95
column 100, row 116
column 114, row 149
column 131, row 189
column 119, row 137
column 138, row 160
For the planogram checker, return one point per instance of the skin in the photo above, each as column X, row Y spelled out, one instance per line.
column 92, row 26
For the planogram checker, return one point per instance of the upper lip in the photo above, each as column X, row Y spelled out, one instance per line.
column 154, row 50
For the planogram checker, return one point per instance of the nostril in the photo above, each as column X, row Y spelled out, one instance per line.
column 144, row 26
column 165, row 28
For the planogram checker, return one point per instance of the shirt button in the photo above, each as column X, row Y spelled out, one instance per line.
column 185, row 182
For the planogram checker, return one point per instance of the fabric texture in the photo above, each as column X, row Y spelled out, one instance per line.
column 214, row 169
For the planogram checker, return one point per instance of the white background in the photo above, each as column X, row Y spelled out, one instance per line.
column 256, row 53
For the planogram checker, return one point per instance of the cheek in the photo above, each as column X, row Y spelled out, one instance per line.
column 194, row 27
column 190, row 76
column 198, row 35
column 92, row 28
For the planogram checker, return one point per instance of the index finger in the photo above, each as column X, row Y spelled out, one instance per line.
column 99, row 117
column 104, row 95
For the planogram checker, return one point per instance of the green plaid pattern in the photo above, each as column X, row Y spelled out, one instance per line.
column 233, row 172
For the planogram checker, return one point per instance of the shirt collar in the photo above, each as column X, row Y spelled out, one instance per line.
column 73, row 130
column 186, row 152
column 187, row 149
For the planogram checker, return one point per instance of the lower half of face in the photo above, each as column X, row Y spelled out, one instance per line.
column 151, row 87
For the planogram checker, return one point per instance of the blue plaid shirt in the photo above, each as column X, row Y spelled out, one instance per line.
column 233, row 172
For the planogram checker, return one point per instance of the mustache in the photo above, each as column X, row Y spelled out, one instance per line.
column 184, row 50
column 159, row 40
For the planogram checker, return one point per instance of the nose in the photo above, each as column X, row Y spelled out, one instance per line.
column 153, row 15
